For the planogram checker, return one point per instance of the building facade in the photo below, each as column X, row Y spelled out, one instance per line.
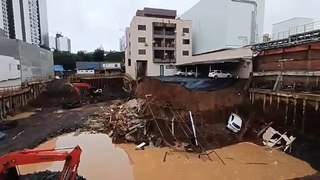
column 155, row 42
column 223, row 24
column 25, row 20
column 60, row 43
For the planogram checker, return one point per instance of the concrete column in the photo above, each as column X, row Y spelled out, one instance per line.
column 294, row 113
column 278, row 102
column 287, row 109
column 271, row 98
column 186, row 71
column 303, row 115
column 196, row 71
column 264, row 102
column 210, row 68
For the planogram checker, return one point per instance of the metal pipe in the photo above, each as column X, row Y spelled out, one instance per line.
column 193, row 128
column 254, row 18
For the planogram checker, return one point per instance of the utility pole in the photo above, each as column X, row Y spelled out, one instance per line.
column 253, row 20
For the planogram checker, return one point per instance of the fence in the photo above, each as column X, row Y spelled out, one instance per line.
column 292, row 31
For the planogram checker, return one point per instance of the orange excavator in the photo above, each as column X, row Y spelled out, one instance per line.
column 8, row 162
column 93, row 93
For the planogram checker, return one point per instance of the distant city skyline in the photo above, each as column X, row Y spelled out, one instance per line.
column 91, row 24
column 25, row 20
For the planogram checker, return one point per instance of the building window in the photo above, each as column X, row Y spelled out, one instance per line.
column 186, row 41
column 185, row 30
column 142, row 27
column 141, row 39
column 18, row 67
column 185, row 53
column 142, row 52
column 129, row 62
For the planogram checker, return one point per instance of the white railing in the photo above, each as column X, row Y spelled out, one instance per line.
column 292, row 31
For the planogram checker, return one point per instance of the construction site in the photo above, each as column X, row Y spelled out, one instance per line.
column 155, row 129
column 183, row 103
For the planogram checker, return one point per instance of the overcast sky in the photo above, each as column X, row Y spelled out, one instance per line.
column 94, row 23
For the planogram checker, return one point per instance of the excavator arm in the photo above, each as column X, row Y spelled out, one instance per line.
column 24, row 157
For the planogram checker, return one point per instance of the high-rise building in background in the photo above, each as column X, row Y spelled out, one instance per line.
column 122, row 42
column 25, row 20
column 4, row 24
column 60, row 43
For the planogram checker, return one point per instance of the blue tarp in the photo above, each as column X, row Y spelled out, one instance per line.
column 58, row 68
column 2, row 135
column 199, row 84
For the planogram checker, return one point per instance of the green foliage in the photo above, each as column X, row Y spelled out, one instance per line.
column 68, row 60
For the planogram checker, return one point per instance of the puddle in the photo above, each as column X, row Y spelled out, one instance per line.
column 100, row 159
column 23, row 115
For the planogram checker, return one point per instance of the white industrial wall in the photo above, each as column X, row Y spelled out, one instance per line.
column 219, row 24
column 153, row 69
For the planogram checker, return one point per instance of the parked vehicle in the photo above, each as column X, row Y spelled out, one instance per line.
column 234, row 123
column 193, row 74
column 181, row 73
column 217, row 74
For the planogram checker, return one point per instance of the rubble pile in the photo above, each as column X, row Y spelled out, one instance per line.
column 123, row 122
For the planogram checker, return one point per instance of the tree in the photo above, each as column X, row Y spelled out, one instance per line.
column 114, row 57
column 68, row 60
column 84, row 56
column 98, row 55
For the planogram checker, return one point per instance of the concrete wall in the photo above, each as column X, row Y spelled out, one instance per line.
column 36, row 63
column 220, row 24
column 153, row 69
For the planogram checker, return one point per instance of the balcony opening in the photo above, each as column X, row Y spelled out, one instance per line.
column 169, row 43
column 158, row 42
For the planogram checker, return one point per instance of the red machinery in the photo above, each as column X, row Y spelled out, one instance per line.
column 9, row 161
column 93, row 93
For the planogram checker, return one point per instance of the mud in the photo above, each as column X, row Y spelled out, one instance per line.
column 242, row 161
column 100, row 159
column 38, row 128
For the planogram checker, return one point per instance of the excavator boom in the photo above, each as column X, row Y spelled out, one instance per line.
column 72, row 160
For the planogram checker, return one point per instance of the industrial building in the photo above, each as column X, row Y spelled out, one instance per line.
column 221, row 24
column 60, row 43
column 89, row 67
column 32, row 62
column 25, row 20
column 155, row 41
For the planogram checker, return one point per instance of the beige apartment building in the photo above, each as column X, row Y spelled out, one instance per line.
column 156, row 41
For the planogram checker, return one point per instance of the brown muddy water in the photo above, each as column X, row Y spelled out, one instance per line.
column 100, row 159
